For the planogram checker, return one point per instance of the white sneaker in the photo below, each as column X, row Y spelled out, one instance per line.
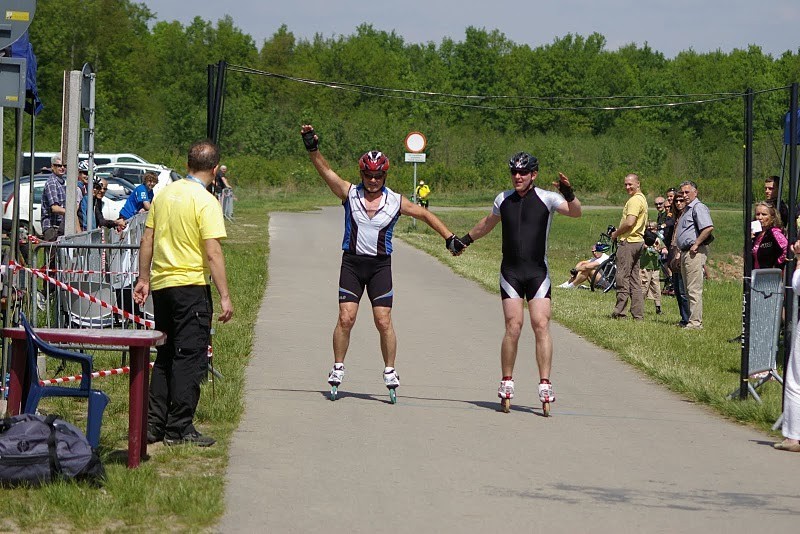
column 546, row 393
column 336, row 375
column 391, row 378
column 565, row 285
column 506, row 389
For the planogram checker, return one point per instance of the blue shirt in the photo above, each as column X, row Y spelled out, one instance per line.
column 136, row 201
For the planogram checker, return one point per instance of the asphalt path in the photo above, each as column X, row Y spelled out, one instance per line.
column 619, row 454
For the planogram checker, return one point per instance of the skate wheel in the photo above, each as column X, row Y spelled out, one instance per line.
column 392, row 396
column 505, row 405
column 546, row 409
column 334, row 392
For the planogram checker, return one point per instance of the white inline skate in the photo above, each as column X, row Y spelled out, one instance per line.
column 335, row 378
column 391, row 379
column 506, row 393
column 546, row 395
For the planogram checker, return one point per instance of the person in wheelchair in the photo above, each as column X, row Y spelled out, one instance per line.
column 586, row 269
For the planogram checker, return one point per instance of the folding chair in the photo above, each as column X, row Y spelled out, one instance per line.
column 97, row 399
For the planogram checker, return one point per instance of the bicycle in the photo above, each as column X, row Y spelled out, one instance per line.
column 604, row 278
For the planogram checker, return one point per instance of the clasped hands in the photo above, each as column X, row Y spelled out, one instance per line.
column 456, row 245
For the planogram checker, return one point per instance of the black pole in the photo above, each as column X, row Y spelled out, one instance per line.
column 788, row 302
column 219, row 97
column 212, row 70
column 747, row 254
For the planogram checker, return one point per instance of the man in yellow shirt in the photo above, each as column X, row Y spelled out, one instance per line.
column 630, row 243
column 181, row 238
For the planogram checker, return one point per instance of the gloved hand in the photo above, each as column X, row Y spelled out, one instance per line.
column 454, row 245
column 311, row 140
column 565, row 188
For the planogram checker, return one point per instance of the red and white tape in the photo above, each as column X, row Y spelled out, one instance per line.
column 119, row 311
column 83, row 271
column 96, row 374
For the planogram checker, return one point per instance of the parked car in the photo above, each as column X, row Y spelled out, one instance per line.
column 43, row 159
column 113, row 204
column 134, row 172
column 119, row 186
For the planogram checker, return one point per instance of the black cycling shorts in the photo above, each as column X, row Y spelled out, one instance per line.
column 518, row 283
column 372, row 272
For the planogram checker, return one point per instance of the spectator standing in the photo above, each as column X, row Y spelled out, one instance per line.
column 54, row 197
column 650, row 267
column 771, row 197
column 182, row 239
column 141, row 198
column 674, row 262
column 90, row 223
column 791, row 405
column 661, row 208
column 693, row 237
column 630, row 238
column 769, row 245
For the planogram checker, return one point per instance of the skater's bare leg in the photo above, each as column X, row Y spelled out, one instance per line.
column 514, row 314
column 540, row 311
column 344, row 325
column 383, row 322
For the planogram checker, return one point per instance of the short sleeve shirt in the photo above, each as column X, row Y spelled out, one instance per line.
column 696, row 217
column 183, row 217
column 636, row 206
column 136, row 201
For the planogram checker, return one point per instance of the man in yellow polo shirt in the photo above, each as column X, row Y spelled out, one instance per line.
column 181, row 238
column 630, row 243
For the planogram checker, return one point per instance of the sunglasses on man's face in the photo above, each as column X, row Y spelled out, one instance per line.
column 374, row 175
column 659, row 203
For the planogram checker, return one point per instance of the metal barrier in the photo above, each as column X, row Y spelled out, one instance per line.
column 766, row 304
column 87, row 276
column 226, row 199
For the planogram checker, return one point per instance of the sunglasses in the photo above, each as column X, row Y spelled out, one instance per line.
column 374, row 175
column 659, row 203
column 522, row 172
column 59, row 165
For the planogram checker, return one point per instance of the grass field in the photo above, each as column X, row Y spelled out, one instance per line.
column 182, row 488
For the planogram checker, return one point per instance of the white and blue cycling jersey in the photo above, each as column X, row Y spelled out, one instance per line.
column 369, row 236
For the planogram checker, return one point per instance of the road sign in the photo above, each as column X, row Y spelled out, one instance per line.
column 17, row 15
column 415, row 142
column 415, row 158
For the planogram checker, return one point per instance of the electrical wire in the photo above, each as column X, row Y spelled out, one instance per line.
column 416, row 96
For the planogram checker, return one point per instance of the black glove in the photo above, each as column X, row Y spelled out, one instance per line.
column 311, row 142
column 467, row 240
column 454, row 245
column 566, row 191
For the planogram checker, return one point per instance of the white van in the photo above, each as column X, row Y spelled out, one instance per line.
column 43, row 160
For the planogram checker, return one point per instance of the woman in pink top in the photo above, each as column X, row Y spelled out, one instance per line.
column 770, row 245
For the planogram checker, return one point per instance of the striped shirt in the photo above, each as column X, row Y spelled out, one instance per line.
column 365, row 236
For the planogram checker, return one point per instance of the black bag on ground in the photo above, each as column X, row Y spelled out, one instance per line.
column 35, row 449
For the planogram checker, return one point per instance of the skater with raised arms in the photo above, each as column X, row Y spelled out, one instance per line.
column 371, row 211
column 526, row 212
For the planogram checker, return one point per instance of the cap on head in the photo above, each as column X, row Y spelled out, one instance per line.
column 600, row 247
column 374, row 161
column 523, row 162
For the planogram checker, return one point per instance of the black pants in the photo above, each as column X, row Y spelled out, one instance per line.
column 184, row 314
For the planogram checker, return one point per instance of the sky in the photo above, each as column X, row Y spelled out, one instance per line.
column 668, row 26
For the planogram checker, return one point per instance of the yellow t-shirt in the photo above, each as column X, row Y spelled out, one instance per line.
column 423, row 191
column 637, row 206
column 183, row 215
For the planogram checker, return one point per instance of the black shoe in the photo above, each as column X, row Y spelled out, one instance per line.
column 193, row 438
column 154, row 436
column 658, row 310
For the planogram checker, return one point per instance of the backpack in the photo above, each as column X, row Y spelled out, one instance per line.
column 35, row 449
